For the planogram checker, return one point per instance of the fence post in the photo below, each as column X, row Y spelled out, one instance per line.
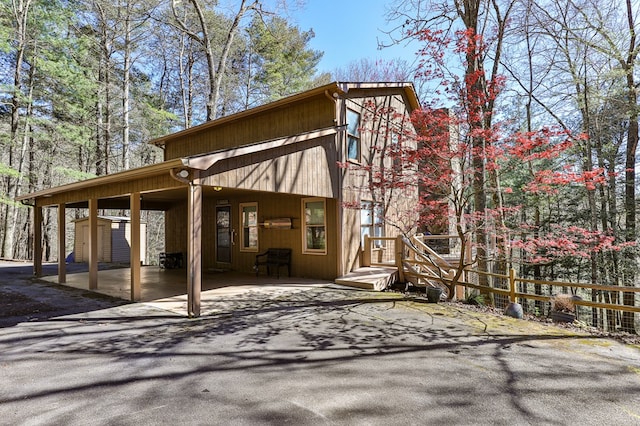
column 366, row 255
column 512, row 285
column 399, row 252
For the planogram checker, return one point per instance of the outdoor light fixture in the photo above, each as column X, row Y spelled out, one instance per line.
column 184, row 173
column 217, row 188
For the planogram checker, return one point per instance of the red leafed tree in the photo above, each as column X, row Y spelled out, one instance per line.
column 464, row 154
column 540, row 153
column 458, row 148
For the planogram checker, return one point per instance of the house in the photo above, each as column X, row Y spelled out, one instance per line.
column 221, row 182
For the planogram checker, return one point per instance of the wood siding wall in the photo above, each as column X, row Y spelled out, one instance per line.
column 307, row 168
column 400, row 205
column 270, row 206
column 310, row 114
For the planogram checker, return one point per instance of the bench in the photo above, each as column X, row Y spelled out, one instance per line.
column 275, row 257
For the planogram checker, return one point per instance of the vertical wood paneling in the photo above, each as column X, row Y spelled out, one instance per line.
column 271, row 206
column 401, row 203
column 305, row 172
column 303, row 116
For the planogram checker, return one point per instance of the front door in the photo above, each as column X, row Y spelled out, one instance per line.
column 224, row 237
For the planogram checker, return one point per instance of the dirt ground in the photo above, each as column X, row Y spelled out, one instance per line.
column 24, row 298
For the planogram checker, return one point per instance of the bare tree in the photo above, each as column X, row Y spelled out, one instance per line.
column 21, row 37
column 586, row 57
column 200, row 31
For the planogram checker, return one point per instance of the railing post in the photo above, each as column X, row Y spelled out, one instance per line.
column 399, row 250
column 366, row 254
column 512, row 285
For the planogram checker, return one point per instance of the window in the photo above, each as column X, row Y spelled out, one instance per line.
column 249, row 221
column 371, row 221
column 353, row 135
column 314, row 233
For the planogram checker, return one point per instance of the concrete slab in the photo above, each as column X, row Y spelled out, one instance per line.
column 159, row 283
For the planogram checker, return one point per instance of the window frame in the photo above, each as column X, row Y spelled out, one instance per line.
column 355, row 137
column 306, row 226
column 244, row 227
column 375, row 211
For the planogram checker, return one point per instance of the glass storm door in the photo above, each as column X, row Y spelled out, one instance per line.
column 224, row 237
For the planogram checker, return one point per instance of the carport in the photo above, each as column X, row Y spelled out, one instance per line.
column 155, row 187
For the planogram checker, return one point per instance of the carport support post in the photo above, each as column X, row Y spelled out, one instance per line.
column 194, row 252
column 93, row 244
column 134, row 206
column 37, row 240
column 62, row 246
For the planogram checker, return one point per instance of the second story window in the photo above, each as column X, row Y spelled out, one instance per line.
column 353, row 135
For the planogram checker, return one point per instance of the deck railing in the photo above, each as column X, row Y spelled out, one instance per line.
column 420, row 263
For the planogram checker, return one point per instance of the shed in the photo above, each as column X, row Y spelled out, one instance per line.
column 114, row 240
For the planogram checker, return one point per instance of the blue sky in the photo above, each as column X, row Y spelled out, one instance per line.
column 347, row 30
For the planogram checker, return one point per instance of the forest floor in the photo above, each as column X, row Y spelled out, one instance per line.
column 581, row 326
column 627, row 338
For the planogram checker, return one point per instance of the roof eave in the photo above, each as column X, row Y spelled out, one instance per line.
column 334, row 87
column 102, row 180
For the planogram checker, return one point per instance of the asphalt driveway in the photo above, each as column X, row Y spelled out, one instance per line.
column 301, row 355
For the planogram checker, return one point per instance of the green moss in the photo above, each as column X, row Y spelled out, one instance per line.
column 595, row 342
column 634, row 369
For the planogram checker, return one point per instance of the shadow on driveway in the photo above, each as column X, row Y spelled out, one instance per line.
column 311, row 356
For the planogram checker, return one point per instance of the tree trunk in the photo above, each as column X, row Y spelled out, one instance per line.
column 215, row 66
column 630, row 174
column 126, row 86
column 20, row 15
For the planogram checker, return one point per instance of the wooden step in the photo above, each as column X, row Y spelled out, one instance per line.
column 371, row 278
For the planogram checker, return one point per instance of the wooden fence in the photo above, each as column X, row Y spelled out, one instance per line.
column 428, row 268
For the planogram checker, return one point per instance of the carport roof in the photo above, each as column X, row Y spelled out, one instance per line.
column 145, row 171
column 195, row 162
